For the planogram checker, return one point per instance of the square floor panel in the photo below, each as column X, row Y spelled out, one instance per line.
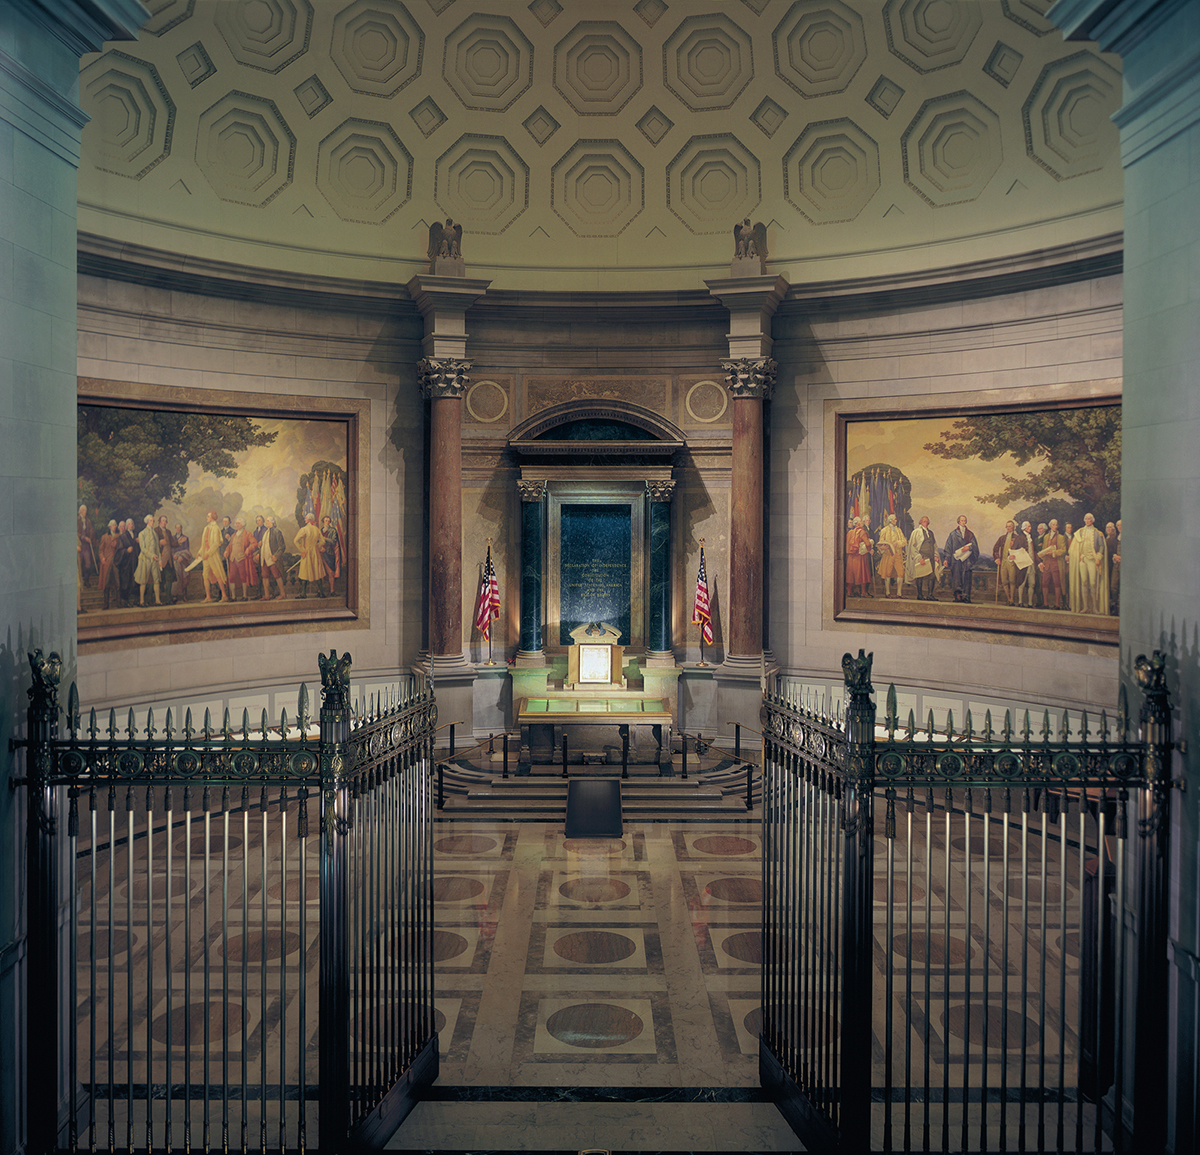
column 596, row 1028
column 627, row 950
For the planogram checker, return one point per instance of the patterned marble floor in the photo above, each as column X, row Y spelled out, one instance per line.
column 624, row 968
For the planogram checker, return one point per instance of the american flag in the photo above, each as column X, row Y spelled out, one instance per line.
column 700, row 614
column 489, row 598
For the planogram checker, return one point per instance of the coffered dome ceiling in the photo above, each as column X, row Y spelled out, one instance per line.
column 599, row 144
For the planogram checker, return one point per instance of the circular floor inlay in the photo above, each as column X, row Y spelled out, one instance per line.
column 447, row 945
column 995, row 846
column 956, row 1019
column 924, row 949
column 216, row 843
column 594, row 889
column 594, row 845
column 745, row 947
column 594, row 1025
column 276, row 946
column 747, row 890
column 158, row 891
column 753, row 1022
column 899, row 891
column 723, row 844
column 120, row 944
column 194, row 1016
column 464, row 844
column 594, row 946
column 456, row 888
column 1033, row 891
column 312, row 894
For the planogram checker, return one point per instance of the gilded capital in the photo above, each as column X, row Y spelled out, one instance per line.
column 441, row 377
column 660, row 490
column 750, row 377
column 532, row 490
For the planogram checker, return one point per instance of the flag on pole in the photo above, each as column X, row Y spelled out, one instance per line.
column 489, row 598
column 700, row 614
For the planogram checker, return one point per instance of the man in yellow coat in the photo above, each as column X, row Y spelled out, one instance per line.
column 212, row 545
column 309, row 542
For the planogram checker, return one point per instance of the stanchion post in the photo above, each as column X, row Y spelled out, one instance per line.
column 624, row 751
column 685, row 757
column 505, row 774
column 564, row 756
column 451, row 740
column 737, row 741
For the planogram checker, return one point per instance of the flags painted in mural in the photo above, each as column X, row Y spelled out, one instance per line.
column 700, row 614
column 488, row 606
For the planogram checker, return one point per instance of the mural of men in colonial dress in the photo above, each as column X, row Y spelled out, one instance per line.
column 921, row 564
column 858, row 560
column 962, row 548
column 890, row 547
column 1088, row 562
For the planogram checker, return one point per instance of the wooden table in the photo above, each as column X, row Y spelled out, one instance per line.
column 545, row 720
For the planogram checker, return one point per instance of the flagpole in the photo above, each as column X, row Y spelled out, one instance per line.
column 702, row 662
column 487, row 578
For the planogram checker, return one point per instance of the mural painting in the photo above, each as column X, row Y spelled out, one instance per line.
column 189, row 516
column 997, row 519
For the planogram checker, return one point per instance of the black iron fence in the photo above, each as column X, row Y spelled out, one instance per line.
column 965, row 939
column 230, row 941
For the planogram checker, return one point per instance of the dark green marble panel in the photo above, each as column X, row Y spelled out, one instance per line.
column 594, row 578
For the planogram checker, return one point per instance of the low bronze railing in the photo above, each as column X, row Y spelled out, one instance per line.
column 965, row 928
column 230, row 929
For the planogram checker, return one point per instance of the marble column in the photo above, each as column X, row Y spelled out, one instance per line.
column 659, row 648
column 533, row 534
column 443, row 383
column 750, row 381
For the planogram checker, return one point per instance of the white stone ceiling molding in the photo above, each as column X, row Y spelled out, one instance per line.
column 600, row 144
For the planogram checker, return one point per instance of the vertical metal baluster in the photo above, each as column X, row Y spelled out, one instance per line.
column 375, row 890
column 925, row 1088
column 262, row 979
column 206, row 966
column 1081, row 1009
column 1099, row 1009
column 987, row 966
column 149, row 967
column 168, row 810
column 283, row 970
column 837, row 960
column 908, row 970
column 1041, row 1081
column 783, row 950
column 889, row 831
column 1024, row 1093
column 968, row 812
column 823, row 937
column 93, row 1004
column 1005, row 866
column 225, row 974
column 946, row 975
column 71, row 1016
column 1059, row 1135
column 245, row 987
column 302, row 980
column 1120, row 905
column 129, row 1019
column 187, row 969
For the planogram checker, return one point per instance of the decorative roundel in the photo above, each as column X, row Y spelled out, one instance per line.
column 374, row 745
column 891, row 764
column 1066, row 765
column 397, row 733
column 819, row 47
column 712, row 180
column 303, row 763
column 245, row 763
column 187, row 763
column 832, row 171
column 129, row 763
column 431, row 716
column 707, row 62
column 1123, row 765
column 1007, row 764
column 71, row 763
column 706, row 401
column 949, row 764
column 486, row 401
column 951, row 149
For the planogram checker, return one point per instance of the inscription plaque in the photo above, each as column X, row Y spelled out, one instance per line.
column 595, row 568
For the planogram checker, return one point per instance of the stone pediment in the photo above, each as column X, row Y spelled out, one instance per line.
column 596, row 428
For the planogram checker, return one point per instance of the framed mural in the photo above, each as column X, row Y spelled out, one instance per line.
column 1004, row 518
column 206, row 513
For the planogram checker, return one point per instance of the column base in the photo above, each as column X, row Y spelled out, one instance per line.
column 530, row 659
column 659, row 659
column 739, row 697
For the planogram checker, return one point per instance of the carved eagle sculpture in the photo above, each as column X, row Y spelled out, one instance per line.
column 445, row 241
column 749, row 240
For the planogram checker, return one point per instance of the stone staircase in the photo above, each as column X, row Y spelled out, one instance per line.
column 473, row 792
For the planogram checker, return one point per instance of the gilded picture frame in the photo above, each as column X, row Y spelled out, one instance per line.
column 196, row 463
column 1037, row 481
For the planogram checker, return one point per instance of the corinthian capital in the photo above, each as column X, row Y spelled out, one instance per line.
column 660, row 490
column 531, row 490
column 750, row 376
column 443, row 377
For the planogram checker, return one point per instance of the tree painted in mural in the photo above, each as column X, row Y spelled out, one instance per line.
column 131, row 461
column 1075, row 451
